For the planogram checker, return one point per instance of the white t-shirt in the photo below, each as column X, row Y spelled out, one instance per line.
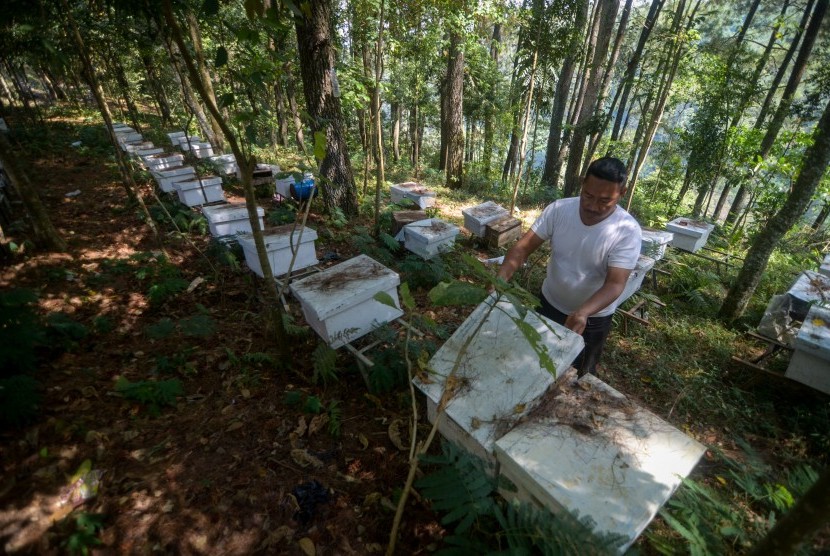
column 580, row 254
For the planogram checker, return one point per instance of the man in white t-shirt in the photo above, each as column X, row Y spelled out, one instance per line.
column 594, row 247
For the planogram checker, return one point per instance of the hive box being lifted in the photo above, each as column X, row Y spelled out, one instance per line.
column 655, row 242
column 810, row 287
column 476, row 218
column 689, row 235
column 201, row 150
column 225, row 164
column 166, row 178
column 163, row 161
column 280, row 243
column 339, row 302
column 500, row 377
column 230, row 218
column 200, row 192
column 412, row 191
column 596, row 453
column 810, row 363
column 635, row 279
column 427, row 238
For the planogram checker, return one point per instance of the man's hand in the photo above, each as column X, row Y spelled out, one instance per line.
column 576, row 322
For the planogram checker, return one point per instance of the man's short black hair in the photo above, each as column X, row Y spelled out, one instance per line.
column 608, row 168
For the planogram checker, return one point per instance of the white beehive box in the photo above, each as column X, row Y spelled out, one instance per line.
column 147, row 151
column 231, row 218
column 281, row 242
column 598, row 454
column 130, row 137
column 167, row 177
column 500, row 376
column 225, row 164
column 163, row 161
column 825, row 266
column 655, row 242
column 185, row 142
column 132, row 148
column 476, row 218
column 175, row 136
column 283, row 186
column 200, row 192
column 339, row 302
column 810, row 362
column 689, row 235
column 635, row 279
column 810, row 287
column 427, row 238
column 412, row 191
column 201, row 150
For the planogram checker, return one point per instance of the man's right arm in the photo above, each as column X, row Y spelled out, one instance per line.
column 518, row 254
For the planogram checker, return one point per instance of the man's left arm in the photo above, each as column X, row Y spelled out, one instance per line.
column 611, row 289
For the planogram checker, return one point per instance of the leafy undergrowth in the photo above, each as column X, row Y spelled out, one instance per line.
column 156, row 362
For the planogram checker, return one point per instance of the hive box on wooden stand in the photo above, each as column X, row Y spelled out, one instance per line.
column 200, row 192
column 166, row 178
column 280, row 243
column 130, row 137
column 225, row 164
column 186, row 142
column 131, row 148
column 401, row 218
column 175, row 136
column 201, row 150
column 476, row 218
column 635, row 279
column 163, row 161
column 230, row 218
column 339, row 302
column 810, row 287
column 427, row 238
column 414, row 192
column 689, row 235
column 810, row 363
column 500, row 376
column 655, row 242
column 598, row 454
column 503, row 231
column 141, row 153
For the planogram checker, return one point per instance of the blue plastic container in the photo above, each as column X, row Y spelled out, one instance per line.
column 304, row 190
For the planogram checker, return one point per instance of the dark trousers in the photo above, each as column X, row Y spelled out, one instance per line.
column 595, row 334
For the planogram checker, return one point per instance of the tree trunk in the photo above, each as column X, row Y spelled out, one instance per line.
column 813, row 168
column 290, row 93
column 380, row 178
column 414, row 137
column 489, row 109
column 396, row 131
column 215, row 138
column 525, row 122
column 280, row 109
column 784, row 104
column 607, row 12
column 157, row 89
column 822, row 215
column 45, row 234
column 455, row 115
column 314, row 43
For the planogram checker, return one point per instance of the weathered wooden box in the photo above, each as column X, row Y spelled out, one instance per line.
column 655, row 242
column 430, row 237
column 414, row 192
column 591, row 451
column 163, row 161
column 401, row 218
column 503, row 231
column 689, row 235
column 635, row 279
column 167, row 177
column 476, row 218
column 810, row 362
column 280, row 243
column 200, row 191
column 201, row 150
column 230, row 218
column 500, row 376
column 339, row 302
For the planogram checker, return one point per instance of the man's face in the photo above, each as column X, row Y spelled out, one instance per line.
column 598, row 199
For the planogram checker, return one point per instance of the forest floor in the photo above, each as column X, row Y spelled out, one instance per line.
column 251, row 456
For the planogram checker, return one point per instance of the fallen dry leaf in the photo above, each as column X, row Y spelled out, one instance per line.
column 317, row 423
column 304, row 459
column 395, row 434
column 307, row 546
column 236, row 425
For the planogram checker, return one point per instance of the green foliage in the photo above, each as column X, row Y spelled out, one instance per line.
column 306, row 402
column 184, row 219
column 85, row 535
column 325, row 365
column 64, row 331
column 19, row 399
column 227, row 255
column 285, row 213
column 335, row 418
column 162, row 329
column 153, row 394
column 199, row 325
column 178, row 362
column 457, row 293
column 424, row 274
column 20, row 331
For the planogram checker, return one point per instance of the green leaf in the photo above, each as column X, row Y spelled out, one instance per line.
column 210, row 7
column 457, row 293
column 221, row 57
column 319, row 145
column 406, row 297
column 386, row 299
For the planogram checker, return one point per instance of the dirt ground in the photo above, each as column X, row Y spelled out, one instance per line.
column 231, row 468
